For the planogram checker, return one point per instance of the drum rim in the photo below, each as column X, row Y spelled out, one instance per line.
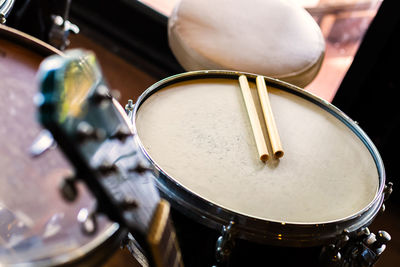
column 110, row 232
column 252, row 228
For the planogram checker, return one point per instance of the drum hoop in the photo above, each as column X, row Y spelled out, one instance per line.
column 44, row 49
column 252, row 228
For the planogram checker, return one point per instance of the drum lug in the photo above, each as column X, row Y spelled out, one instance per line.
column 130, row 106
column 359, row 249
column 387, row 191
column 225, row 244
column 129, row 109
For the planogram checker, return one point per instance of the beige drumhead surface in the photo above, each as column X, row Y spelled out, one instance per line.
column 199, row 133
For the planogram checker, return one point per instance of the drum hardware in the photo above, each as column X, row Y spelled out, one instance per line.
column 42, row 143
column 61, row 28
column 5, row 9
column 88, row 221
column 130, row 106
column 225, row 245
column 129, row 110
column 359, row 249
column 387, row 191
column 104, row 161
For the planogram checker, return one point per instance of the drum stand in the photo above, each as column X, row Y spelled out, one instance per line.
column 61, row 27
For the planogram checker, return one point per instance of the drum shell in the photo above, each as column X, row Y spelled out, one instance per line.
column 253, row 229
column 198, row 245
column 25, row 52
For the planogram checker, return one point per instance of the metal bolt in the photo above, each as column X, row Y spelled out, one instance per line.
column 87, row 221
column 130, row 106
column 383, row 237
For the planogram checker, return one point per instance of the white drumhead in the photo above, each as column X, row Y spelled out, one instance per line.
column 198, row 132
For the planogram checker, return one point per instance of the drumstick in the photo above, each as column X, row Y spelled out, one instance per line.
column 269, row 118
column 254, row 120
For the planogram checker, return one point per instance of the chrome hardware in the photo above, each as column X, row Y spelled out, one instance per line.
column 43, row 142
column 58, row 36
column 387, row 191
column 68, row 189
column 5, row 9
column 88, row 221
column 85, row 132
column 359, row 249
column 225, row 244
column 129, row 109
column 130, row 106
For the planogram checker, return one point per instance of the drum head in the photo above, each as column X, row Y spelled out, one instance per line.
column 36, row 224
column 196, row 130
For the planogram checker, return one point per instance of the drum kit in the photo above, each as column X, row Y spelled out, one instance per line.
column 184, row 151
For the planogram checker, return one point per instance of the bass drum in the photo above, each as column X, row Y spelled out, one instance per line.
column 37, row 227
column 195, row 130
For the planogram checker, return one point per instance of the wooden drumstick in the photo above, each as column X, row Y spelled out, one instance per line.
column 269, row 118
column 254, row 120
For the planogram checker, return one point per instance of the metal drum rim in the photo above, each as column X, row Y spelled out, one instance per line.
column 257, row 229
column 113, row 230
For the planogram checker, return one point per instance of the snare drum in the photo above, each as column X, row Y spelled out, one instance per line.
column 37, row 227
column 329, row 185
